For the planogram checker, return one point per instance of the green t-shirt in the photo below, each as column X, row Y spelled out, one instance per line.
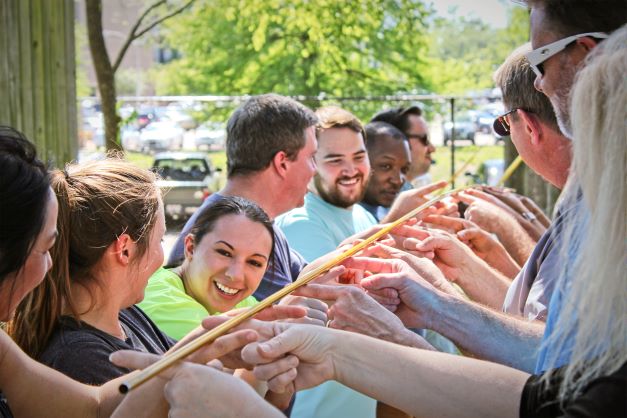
column 174, row 311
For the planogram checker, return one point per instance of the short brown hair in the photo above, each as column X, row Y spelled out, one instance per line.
column 263, row 126
column 336, row 117
column 515, row 79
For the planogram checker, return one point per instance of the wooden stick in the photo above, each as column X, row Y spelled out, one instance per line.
column 510, row 170
column 223, row 328
column 465, row 165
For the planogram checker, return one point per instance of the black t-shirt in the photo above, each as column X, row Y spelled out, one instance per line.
column 81, row 351
column 5, row 411
column 604, row 397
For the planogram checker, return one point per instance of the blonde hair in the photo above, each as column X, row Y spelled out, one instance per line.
column 591, row 325
column 98, row 202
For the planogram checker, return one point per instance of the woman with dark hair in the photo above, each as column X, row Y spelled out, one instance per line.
column 28, row 230
column 226, row 255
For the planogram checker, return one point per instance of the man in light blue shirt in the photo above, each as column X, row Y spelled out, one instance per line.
column 329, row 216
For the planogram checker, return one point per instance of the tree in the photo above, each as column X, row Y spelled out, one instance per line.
column 464, row 53
column 298, row 47
column 105, row 70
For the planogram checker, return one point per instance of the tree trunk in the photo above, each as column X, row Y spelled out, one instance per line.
column 104, row 73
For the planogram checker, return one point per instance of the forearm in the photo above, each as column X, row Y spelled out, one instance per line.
column 500, row 259
column 516, row 241
column 483, row 284
column 433, row 384
column 488, row 334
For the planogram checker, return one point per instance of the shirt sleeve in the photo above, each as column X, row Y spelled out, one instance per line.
column 308, row 238
column 603, row 397
column 86, row 361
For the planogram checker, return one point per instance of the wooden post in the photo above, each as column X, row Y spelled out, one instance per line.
column 38, row 75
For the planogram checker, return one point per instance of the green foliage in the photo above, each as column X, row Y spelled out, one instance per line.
column 298, row 47
column 80, row 40
column 464, row 53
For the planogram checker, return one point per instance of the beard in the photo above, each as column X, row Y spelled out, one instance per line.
column 561, row 101
column 333, row 195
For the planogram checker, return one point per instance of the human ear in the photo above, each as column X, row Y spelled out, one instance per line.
column 188, row 245
column 123, row 248
column 280, row 163
column 532, row 126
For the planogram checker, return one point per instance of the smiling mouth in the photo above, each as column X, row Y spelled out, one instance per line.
column 225, row 290
column 349, row 182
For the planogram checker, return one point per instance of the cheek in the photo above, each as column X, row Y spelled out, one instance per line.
column 253, row 279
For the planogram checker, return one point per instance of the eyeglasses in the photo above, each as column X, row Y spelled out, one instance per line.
column 501, row 125
column 539, row 55
column 423, row 138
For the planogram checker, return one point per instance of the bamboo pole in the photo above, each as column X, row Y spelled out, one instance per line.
column 510, row 170
column 168, row 360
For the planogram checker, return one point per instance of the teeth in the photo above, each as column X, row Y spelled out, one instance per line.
column 226, row 289
column 348, row 182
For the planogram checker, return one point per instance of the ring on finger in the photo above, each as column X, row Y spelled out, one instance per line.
column 529, row 216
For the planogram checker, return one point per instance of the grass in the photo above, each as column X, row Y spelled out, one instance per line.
column 441, row 170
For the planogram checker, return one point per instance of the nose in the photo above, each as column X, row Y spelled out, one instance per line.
column 349, row 169
column 431, row 148
column 396, row 178
column 235, row 271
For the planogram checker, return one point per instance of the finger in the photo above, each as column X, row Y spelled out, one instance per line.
column 380, row 281
column 224, row 345
column 411, row 244
column 211, row 322
column 266, row 352
column 278, row 312
column 280, row 383
column 134, row 360
column 382, row 300
column 216, row 364
column 431, row 187
column 466, row 198
column 267, row 372
column 316, row 314
column 331, row 276
column 321, row 291
column 374, row 265
column 456, row 224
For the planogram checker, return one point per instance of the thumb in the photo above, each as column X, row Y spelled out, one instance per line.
column 136, row 360
column 384, row 280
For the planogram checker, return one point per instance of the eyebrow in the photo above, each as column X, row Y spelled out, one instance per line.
column 233, row 248
column 329, row 156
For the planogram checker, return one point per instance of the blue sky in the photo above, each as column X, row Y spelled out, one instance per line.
column 493, row 12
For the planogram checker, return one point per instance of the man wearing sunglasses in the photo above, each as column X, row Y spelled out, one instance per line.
column 410, row 121
column 563, row 32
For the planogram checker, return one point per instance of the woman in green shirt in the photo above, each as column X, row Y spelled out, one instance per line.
column 226, row 255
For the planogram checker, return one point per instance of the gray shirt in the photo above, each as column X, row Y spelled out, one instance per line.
column 530, row 292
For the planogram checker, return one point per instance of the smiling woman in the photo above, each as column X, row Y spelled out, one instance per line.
column 226, row 256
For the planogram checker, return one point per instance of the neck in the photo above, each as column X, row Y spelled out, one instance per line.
column 100, row 315
column 560, row 157
column 255, row 189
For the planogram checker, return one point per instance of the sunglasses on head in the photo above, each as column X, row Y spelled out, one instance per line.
column 537, row 57
column 501, row 124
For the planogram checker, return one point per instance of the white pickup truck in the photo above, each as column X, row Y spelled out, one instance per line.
column 187, row 178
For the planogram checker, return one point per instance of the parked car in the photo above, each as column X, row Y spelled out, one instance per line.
column 465, row 128
column 211, row 135
column 160, row 136
column 187, row 178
